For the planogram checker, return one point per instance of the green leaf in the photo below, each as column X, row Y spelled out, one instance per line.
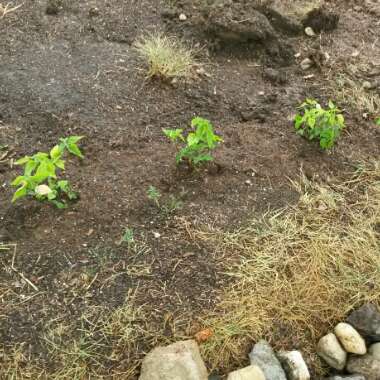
column 23, row 160
column 20, row 192
column 192, row 139
column 56, row 153
column 378, row 121
column 74, row 139
column 29, row 167
column 174, row 134
column 18, row 180
column 60, row 164
column 72, row 148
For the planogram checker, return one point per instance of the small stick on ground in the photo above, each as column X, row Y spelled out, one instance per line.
column 4, row 10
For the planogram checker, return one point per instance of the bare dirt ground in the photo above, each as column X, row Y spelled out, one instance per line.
column 73, row 70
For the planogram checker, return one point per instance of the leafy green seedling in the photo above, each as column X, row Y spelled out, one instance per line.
column 314, row 122
column 196, row 146
column 169, row 206
column 378, row 122
column 40, row 179
column 128, row 237
column 172, row 205
column 154, row 195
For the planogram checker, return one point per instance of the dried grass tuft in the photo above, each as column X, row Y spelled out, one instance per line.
column 167, row 57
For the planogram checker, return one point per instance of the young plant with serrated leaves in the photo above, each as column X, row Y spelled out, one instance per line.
column 315, row 122
column 41, row 178
column 196, row 146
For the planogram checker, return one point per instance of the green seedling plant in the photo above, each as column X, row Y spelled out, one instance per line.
column 128, row 238
column 197, row 145
column 172, row 204
column 314, row 122
column 154, row 195
column 41, row 177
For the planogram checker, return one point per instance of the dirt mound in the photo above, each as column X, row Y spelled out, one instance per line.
column 267, row 22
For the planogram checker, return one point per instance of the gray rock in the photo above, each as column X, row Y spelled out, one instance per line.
column 251, row 372
column 365, row 365
column 350, row 339
column 294, row 365
column 264, row 357
column 332, row 352
column 374, row 350
column 349, row 377
column 366, row 320
column 178, row 361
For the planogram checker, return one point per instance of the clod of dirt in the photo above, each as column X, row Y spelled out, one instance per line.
column 265, row 22
column 294, row 15
column 274, row 76
column 53, row 7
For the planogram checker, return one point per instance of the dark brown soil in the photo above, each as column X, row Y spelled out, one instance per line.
column 73, row 70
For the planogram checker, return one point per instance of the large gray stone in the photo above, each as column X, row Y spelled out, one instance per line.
column 294, row 365
column 366, row 320
column 332, row 352
column 365, row 365
column 179, row 361
column 264, row 357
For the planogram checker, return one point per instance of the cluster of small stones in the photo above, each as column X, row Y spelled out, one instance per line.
column 352, row 351
column 353, row 348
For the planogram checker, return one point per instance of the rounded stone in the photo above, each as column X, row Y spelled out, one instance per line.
column 331, row 351
column 350, row 339
column 294, row 365
column 251, row 372
column 374, row 350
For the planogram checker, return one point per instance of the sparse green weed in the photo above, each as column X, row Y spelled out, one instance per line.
column 40, row 178
column 154, row 195
column 314, row 122
column 169, row 206
column 128, row 237
column 196, row 145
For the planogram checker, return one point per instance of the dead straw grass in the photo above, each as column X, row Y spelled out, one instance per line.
column 167, row 57
column 303, row 269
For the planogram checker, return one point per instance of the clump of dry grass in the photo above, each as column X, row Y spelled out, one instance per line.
column 350, row 92
column 303, row 268
column 167, row 57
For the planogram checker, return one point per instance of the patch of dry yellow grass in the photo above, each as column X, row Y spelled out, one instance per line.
column 166, row 57
column 303, row 268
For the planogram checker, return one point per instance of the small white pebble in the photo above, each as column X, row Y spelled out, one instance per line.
column 309, row 31
column 182, row 17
